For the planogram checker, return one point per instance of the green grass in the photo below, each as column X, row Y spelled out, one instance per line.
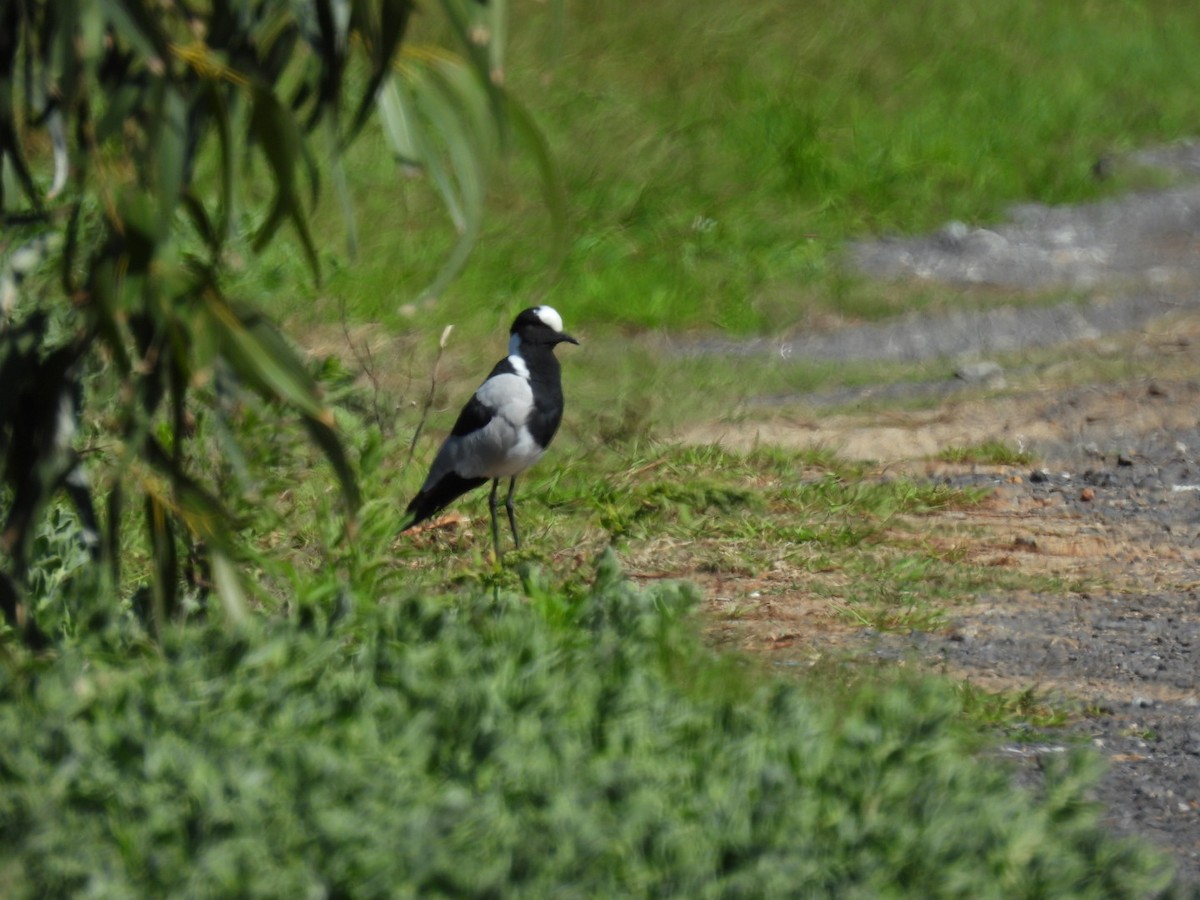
column 991, row 453
column 716, row 157
column 1025, row 713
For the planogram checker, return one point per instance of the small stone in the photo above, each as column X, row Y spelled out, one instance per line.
column 983, row 370
column 1124, row 459
column 984, row 240
column 1037, row 476
column 952, row 235
column 1087, row 495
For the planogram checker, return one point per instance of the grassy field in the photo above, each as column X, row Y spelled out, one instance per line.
column 404, row 717
column 716, row 157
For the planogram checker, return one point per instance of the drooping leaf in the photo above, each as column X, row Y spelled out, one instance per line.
column 10, row 144
column 276, row 132
column 554, row 194
column 196, row 211
column 341, row 189
column 497, row 38
column 261, row 357
column 393, row 23
column 333, row 23
column 218, row 114
column 412, row 143
column 204, row 516
column 478, row 55
column 164, row 585
column 170, row 155
column 228, row 585
column 451, row 101
column 327, row 439
column 132, row 21
column 396, row 113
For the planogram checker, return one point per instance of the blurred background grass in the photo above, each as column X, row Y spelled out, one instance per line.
column 717, row 156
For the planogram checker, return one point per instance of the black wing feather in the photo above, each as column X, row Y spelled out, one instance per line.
column 476, row 414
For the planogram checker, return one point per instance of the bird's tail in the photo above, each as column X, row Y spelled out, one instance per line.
column 432, row 500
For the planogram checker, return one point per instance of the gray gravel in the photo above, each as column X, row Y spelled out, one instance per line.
column 1131, row 259
column 1131, row 655
column 963, row 333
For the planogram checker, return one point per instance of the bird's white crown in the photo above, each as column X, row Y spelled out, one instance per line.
column 549, row 315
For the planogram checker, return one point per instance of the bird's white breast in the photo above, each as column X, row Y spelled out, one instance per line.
column 504, row 447
column 509, row 396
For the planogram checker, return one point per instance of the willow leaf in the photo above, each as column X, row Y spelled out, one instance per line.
column 134, row 22
column 453, row 103
column 260, row 356
column 228, row 585
column 276, row 131
column 170, row 152
column 383, row 43
column 165, row 575
column 412, row 143
column 326, row 438
column 554, row 193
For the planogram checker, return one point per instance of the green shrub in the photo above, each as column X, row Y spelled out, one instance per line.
column 553, row 744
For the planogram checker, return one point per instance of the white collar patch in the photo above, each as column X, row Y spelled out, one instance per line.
column 518, row 364
column 549, row 315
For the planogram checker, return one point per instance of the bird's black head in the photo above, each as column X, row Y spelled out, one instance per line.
column 539, row 326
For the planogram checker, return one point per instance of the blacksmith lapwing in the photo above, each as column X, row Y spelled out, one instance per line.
column 506, row 426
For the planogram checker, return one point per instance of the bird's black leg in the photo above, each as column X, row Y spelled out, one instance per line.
column 495, row 524
column 512, row 518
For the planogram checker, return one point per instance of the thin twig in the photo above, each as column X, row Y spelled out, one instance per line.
column 366, row 361
column 412, row 447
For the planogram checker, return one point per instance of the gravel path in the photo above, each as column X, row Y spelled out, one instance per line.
column 1129, row 650
column 1114, row 502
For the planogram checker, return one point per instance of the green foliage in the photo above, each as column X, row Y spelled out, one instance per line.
column 572, row 740
column 183, row 140
column 1025, row 713
column 992, row 453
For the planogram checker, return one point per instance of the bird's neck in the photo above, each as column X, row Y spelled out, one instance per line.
column 539, row 359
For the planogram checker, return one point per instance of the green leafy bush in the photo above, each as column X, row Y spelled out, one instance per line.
column 556, row 743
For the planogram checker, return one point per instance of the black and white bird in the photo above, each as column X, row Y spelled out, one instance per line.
column 506, row 426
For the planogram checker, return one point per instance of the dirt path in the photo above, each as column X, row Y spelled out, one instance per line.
column 1111, row 508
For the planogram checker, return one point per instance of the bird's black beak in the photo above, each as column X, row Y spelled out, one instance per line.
column 563, row 337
